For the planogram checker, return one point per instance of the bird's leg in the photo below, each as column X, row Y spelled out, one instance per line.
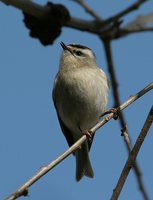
column 115, row 112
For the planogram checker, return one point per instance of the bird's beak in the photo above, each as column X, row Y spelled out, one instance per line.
column 63, row 46
column 66, row 47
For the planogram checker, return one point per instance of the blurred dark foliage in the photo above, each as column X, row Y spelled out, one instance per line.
column 48, row 28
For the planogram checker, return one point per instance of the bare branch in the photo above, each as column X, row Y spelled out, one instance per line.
column 135, row 166
column 132, row 156
column 83, row 25
column 88, row 9
column 40, row 11
column 140, row 22
column 97, row 27
column 126, row 137
column 122, row 120
column 124, row 32
column 126, row 11
column 23, row 190
column 111, row 69
column 28, row 6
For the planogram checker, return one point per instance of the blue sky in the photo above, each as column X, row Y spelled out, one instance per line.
column 30, row 132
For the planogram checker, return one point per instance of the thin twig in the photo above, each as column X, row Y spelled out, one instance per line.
column 126, row 11
column 141, row 21
column 23, row 190
column 88, row 9
column 132, row 156
column 123, row 32
column 122, row 121
column 126, row 136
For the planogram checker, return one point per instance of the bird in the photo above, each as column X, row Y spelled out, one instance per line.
column 80, row 96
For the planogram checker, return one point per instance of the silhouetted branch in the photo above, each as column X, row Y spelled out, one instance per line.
column 140, row 24
column 23, row 190
column 88, row 9
column 100, row 27
column 126, row 11
column 132, row 156
column 124, row 32
column 122, row 121
column 28, row 6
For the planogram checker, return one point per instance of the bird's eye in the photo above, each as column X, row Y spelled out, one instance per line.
column 78, row 53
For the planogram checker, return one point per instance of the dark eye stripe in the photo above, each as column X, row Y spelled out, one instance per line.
column 78, row 53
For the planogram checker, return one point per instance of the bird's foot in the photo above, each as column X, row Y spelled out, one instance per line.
column 115, row 112
column 88, row 133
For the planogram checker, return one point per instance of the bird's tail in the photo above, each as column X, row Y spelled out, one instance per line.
column 83, row 165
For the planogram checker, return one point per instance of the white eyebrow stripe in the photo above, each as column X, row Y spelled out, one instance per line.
column 83, row 49
column 88, row 52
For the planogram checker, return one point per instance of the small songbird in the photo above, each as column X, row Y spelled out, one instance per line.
column 80, row 96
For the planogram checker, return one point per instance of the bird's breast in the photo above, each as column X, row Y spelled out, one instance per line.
column 82, row 97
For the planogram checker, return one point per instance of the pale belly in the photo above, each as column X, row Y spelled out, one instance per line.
column 82, row 102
